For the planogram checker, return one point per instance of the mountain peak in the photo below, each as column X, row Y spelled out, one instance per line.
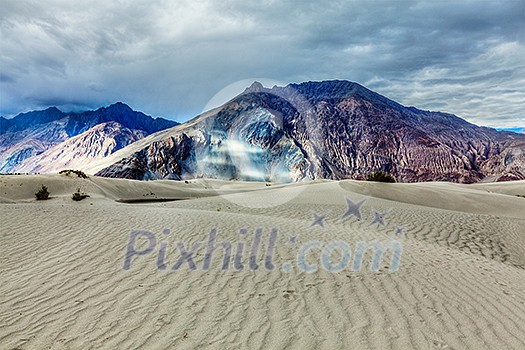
column 31, row 119
column 332, row 91
column 117, row 112
column 255, row 87
column 348, row 131
column 53, row 109
column 119, row 106
column 33, row 133
column 337, row 90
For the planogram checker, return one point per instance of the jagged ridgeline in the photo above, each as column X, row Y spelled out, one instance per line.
column 330, row 129
column 49, row 141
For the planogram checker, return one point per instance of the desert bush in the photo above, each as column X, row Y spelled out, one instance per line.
column 42, row 193
column 380, row 176
column 78, row 196
column 79, row 173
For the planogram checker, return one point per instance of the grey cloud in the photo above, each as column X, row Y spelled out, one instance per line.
column 5, row 78
column 501, row 74
column 169, row 58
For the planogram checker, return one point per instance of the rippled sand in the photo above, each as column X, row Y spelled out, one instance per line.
column 460, row 282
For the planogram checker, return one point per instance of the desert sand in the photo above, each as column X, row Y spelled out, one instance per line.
column 459, row 283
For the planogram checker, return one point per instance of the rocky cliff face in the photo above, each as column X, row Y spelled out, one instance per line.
column 28, row 135
column 332, row 129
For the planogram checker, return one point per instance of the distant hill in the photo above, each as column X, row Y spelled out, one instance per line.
column 28, row 135
column 518, row 130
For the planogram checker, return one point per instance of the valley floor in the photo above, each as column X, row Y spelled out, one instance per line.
column 79, row 275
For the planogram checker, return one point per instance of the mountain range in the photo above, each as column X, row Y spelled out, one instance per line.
column 51, row 140
column 313, row 130
column 322, row 130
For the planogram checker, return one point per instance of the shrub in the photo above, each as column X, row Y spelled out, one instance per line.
column 42, row 194
column 79, row 173
column 78, row 196
column 380, row 176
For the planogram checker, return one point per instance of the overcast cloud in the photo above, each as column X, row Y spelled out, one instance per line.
column 169, row 58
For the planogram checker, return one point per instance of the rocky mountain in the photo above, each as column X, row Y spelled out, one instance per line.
column 81, row 150
column 316, row 130
column 24, row 138
column 26, row 120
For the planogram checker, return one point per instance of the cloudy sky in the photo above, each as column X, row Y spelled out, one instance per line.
column 170, row 58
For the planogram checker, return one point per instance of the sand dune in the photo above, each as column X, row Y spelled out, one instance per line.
column 460, row 283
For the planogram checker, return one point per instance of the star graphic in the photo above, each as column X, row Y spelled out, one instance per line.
column 292, row 239
column 318, row 220
column 353, row 209
column 400, row 231
column 379, row 218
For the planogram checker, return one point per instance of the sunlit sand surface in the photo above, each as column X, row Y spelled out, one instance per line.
column 460, row 282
